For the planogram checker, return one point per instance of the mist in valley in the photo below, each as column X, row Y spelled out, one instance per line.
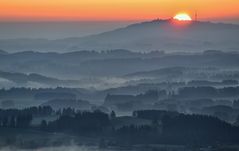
column 150, row 86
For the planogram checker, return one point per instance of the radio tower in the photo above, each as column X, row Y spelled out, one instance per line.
column 196, row 16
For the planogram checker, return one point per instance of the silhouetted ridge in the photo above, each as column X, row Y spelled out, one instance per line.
column 146, row 36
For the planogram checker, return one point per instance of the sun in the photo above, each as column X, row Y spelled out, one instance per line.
column 182, row 17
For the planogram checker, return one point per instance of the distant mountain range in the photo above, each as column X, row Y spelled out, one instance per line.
column 154, row 35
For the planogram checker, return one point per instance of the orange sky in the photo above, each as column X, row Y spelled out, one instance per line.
column 114, row 9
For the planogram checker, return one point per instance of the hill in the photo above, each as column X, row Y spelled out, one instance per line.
column 110, row 63
column 171, row 71
column 2, row 52
column 68, row 103
column 152, row 35
column 21, row 78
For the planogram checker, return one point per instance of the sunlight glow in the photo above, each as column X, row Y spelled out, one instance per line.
column 182, row 17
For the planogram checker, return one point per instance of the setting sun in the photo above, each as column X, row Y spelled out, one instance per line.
column 182, row 17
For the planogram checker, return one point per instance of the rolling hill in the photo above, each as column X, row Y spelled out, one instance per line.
column 21, row 78
column 145, row 36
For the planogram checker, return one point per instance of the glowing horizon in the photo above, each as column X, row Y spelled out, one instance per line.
column 114, row 10
column 182, row 17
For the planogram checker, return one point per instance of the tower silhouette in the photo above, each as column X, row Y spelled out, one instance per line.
column 196, row 16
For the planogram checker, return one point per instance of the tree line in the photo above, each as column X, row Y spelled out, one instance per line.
column 165, row 127
column 22, row 118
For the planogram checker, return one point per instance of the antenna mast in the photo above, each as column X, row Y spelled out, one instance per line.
column 196, row 16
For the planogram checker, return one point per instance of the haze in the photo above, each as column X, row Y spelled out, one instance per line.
column 113, row 10
column 56, row 30
column 119, row 75
column 72, row 18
